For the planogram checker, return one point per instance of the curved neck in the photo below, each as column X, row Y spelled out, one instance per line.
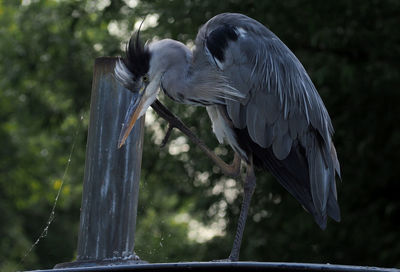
column 190, row 79
column 176, row 82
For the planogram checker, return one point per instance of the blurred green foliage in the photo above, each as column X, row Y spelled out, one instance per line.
column 351, row 50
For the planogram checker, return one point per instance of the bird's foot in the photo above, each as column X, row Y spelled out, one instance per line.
column 230, row 259
column 223, row 261
column 167, row 134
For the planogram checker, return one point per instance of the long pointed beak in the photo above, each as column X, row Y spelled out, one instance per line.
column 134, row 109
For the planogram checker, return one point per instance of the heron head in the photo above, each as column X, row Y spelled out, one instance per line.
column 133, row 71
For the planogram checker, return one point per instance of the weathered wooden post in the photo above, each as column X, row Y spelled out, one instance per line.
column 111, row 181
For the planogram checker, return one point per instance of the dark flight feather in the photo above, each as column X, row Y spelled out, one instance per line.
column 291, row 172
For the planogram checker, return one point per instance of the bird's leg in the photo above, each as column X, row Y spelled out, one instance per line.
column 249, row 186
column 229, row 170
column 232, row 170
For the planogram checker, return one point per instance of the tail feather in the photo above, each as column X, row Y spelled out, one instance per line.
column 323, row 164
column 321, row 172
column 332, row 205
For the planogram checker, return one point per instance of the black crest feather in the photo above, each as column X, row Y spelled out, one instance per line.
column 138, row 56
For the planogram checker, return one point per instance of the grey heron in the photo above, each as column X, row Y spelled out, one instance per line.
column 260, row 100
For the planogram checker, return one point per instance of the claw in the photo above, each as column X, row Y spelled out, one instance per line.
column 167, row 135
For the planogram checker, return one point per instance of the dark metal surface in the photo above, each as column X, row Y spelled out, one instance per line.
column 229, row 266
column 111, row 182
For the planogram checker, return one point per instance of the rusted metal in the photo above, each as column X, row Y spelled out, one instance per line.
column 111, row 181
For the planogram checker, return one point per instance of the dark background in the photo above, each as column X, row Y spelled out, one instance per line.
column 351, row 50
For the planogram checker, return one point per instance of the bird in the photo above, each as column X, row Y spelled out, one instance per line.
column 260, row 100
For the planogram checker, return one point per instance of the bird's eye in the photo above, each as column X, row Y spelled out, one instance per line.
column 145, row 78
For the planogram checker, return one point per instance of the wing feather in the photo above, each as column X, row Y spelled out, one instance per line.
column 251, row 119
column 281, row 114
column 271, row 108
column 237, row 113
column 282, row 146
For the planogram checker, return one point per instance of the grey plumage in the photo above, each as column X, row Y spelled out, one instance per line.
column 260, row 100
column 281, row 105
